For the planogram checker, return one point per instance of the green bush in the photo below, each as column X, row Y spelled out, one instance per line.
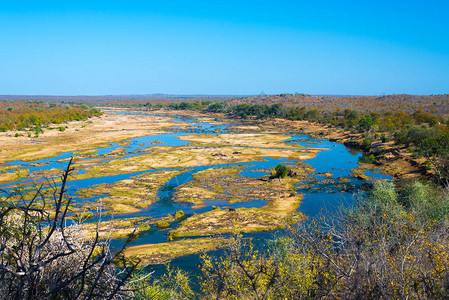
column 366, row 144
column 281, row 171
column 368, row 159
column 162, row 224
column 179, row 214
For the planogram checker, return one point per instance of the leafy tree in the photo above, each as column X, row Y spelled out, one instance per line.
column 216, row 107
column 281, row 171
column 174, row 106
column 436, row 150
column 366, row 144
column 186, row 106
column 365, row 123
column 352, row 114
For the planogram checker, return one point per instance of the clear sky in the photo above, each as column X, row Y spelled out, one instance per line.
column 68, row 47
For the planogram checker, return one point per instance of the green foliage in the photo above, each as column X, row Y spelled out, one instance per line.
column 217, row 107
column 352, row 114
column 416, row 134
column 281, row 171
column 436, row 150
column 25, row 114
column 162, row 224
column 38, row 130
column 425, row 117
column 175, row 284
column 296, row 113
column 397, row 235
column 259, row 111
column 366, row 144
column 179, row 214
column 365, row 123
column 434, row 145
column 369, row 159
column 196, row 105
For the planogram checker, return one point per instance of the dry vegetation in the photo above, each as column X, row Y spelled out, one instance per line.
column 22, row 115
column 165, row 252
column 435, row 104
column 80, row 136
column 219, row 221
column 129, row 195
column 225, row 184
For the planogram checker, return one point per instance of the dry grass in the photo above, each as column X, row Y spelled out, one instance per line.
column 165, row 252
column 218, row 221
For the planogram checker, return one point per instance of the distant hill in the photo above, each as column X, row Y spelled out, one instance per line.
column 114, row 98
column 435, row 104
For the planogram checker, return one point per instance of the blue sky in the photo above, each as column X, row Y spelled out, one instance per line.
column 224, row 47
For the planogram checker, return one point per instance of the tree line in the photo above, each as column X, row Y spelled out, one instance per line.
column 19, row 115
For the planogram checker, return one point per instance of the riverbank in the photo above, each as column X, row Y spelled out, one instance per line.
column 394, row 160
column 80, row 136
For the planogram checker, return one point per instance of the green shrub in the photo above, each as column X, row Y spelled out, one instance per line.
column 179, row 214
column 162, row 224
column 281, row 171
column 368, row 159
column 366, row 144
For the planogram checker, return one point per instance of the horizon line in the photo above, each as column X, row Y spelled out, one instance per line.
column 212, row 95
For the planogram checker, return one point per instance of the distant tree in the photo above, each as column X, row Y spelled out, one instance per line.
column 186, row 106
column 352, row 114
column 174, row 106
column 216, row 107
column 436, row 150
column 366, row 144
column 311, row 114
column 365, row 123
column 281, row 171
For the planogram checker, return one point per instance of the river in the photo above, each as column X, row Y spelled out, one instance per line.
column 325, row 194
